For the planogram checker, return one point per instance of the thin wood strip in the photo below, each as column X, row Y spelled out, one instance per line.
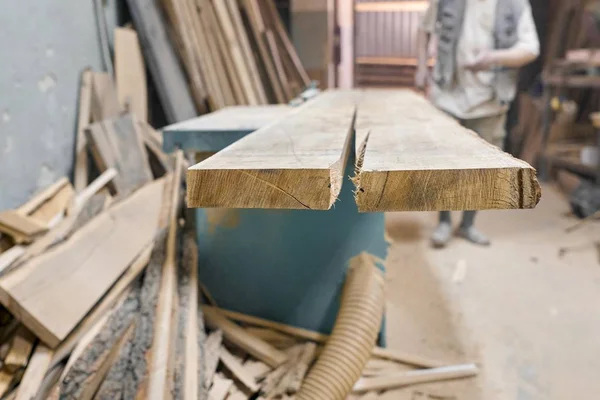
column 40, row 198
column 406, row 378
column 83, row 120
column 34, row 374
column 276, row 57
column 238, row 370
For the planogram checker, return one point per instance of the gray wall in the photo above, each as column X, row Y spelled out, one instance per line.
column 44, row 45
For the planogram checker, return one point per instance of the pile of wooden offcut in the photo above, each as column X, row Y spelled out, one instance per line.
column 270, row 359
column 234, row 52
column 96, row 295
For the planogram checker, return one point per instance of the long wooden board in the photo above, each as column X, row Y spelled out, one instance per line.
column 52, row 293
column 130, row 73
column 296, row 163
column 162, row 61
column 413, row 157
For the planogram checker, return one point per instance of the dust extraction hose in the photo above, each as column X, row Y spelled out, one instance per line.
column 354, row 334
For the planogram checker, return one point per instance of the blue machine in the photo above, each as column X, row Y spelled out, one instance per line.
column 284, row 265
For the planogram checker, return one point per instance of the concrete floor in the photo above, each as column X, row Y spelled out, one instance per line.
column 527, row 315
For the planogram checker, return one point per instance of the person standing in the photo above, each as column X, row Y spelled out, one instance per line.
column 479, row 46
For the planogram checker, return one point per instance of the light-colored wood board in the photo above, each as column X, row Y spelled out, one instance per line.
column 279, row 29
column 162, row 61
column 39, row 198
column 220, row 388
column 378, row 352
column 54, row 206
column 278, row 63
column 224, row 52
column 130, row 73
column 117, row 143
column 414, row 157
column 234, row 119
column 257, row 369
column 242, row 339
column 234, row 47
column 212, row 350
column 181, row 25
column 238, row 370
column 21, row 228
column 257, row 28
column 52, row 293
column 214, row 62
column 242, row 36
column 163, row 339
column 84, row 116
column 193, row 368
column 35, row 372
column 295, row 163
column 20, row 350
column 105, row 103
column 399, row 379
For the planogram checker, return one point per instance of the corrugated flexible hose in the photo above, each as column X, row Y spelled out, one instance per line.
column 354, row 334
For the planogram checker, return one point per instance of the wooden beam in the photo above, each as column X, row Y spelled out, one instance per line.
column 130, row 73
column 84, row 116
column 405, row 378
column 238, row 336
column 52, row 293
column 411, row 156
column 296, row 163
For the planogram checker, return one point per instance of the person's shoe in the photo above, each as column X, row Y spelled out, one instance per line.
column 442, row 234
column 473, row 236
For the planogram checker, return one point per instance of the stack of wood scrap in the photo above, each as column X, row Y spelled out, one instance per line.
column 234, row 52
column 98, row 297
column 249, row 357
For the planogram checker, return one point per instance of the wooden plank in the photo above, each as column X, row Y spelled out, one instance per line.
column 83, row 119
column 117, row 143
column 225, row 53
column 244, row 43
column 20, row 350
column 257, row 27
column 279, row 68
column 130, row 73
column 234, row 46
column 378, row 352
column 287, row 44
column 212, row 350
column 161, row 362
column 238, row 336
column 20, row 227
column 162, row 61
column 105, row 103
column 413, row 157
column 405, row 378
column 181, row 26
column 238, row 370
column 296, row 163
column 220, row 388
column 55, row 205
column 214, row 62
column 52, row 293
column 35, row 372
column 40, row 198
column 233, row 119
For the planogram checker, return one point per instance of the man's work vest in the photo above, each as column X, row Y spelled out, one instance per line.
column 449, row 28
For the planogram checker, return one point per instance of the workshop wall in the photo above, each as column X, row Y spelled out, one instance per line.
column 44, row 45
